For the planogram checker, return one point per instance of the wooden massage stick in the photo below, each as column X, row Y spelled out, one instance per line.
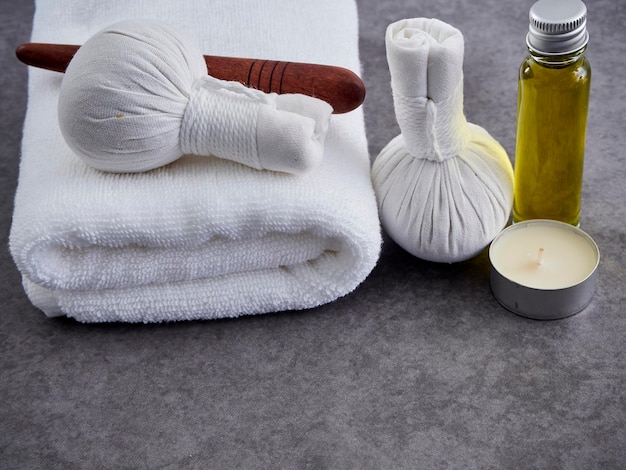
column 338, row 86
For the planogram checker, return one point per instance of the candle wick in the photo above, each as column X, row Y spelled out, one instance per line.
column 540, row 257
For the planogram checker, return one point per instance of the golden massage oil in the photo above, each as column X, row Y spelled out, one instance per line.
column 553, row 97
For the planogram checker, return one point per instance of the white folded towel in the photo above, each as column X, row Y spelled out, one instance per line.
column 202, row 237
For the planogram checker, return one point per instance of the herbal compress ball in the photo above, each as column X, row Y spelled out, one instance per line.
column 137, row 96
column 444, row 186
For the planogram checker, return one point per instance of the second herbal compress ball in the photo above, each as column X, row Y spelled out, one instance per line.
column 444, row 186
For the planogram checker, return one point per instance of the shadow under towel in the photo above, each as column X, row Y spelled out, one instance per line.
column 202, row 237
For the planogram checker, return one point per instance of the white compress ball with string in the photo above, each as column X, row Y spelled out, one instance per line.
column 444, row 186
column 136, row 96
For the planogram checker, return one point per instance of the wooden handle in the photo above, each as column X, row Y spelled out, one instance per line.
column 339, row 87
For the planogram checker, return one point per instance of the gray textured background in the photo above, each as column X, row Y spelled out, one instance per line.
column 418, row 368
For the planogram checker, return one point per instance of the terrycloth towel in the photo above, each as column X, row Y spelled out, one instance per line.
column 202, row 237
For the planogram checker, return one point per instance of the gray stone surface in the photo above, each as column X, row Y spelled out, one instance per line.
column 418, row 368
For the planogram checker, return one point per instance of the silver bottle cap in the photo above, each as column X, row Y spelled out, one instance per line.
column 557, row 27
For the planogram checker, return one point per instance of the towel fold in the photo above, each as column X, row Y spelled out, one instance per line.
column 202, row 237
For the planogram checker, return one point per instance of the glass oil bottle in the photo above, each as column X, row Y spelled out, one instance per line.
column 553, row 97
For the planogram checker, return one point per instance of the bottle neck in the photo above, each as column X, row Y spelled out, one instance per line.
column 556, row 60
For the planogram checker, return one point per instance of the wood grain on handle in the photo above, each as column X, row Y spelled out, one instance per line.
column 339, row 87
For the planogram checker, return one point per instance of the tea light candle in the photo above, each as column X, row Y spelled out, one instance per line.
column 543, row 269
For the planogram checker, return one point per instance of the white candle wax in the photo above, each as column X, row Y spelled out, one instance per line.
column 544, row 254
